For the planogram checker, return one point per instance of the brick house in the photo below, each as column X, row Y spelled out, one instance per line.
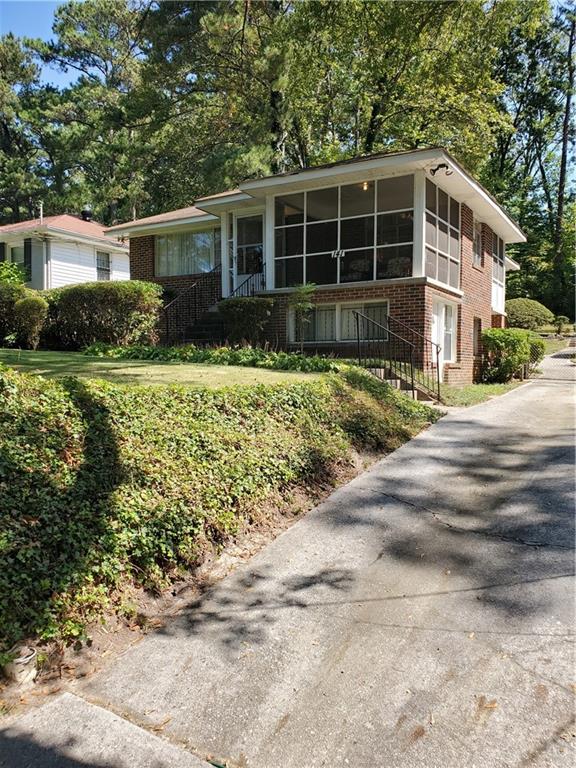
column 408, row 238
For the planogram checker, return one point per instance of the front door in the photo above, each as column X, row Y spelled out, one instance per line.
column 444, row 332
column 249, row 248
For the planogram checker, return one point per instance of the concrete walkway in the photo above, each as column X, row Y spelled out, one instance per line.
column 422, row 616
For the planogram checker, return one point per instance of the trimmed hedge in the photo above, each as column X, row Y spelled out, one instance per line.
column 506, row 350
column 29, row 316
column 104, row 486
column 245, row 317
column 527, row 313
column 117, row 312
column 10, row 293
column 251, row 357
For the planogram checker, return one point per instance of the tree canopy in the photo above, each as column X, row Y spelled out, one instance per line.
column 172, row 100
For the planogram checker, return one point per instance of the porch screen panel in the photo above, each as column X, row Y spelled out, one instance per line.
column 350, row 233
column 498, row 274
column 442, row 236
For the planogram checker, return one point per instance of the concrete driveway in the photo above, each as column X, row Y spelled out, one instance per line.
column 422, row 616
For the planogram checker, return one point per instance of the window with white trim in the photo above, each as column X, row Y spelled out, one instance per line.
column 442, row 236
column 102, row 265
column 187, row 253
column 336, row 322
column 477, row 254
column 345, row 234
column 498, row 274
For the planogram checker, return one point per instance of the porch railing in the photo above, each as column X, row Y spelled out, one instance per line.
column 383, row 352
column 426, row 356
column 252, row 285
column 186, row 308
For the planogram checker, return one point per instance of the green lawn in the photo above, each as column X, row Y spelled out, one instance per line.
column 472, row 394
column 142, row 371
column 555, row 345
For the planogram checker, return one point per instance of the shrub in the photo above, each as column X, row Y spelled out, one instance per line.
column 104, row 485
column 527, row 313
column 560, row 321
column 119, row 312
column 245, row 318
column 12, row 274
column 251, row 357
column 29, row 316
column 506, row 350
column 10, row 293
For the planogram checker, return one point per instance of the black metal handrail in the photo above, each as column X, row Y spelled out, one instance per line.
column 383, row 352
column 254, row 283
column 426, row 356
column 187, row 302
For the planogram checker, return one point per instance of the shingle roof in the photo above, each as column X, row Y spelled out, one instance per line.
column 181, row 213
column 64, row 222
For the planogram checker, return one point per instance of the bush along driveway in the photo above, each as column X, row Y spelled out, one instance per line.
column 422, row 616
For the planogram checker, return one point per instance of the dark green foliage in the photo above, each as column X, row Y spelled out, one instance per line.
column 245, row 318
column 29, row 316
column 560, row 321
column 106, row 485
column 506, row 350
column 12, row 273
column 527, row 313
column 120, row 312
column 10, row 293
column 252, row 357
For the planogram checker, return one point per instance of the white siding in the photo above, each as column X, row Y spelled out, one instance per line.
column 71, row 263
column 76, row 263
column 120, row 266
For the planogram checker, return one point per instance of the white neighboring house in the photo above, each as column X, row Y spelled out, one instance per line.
column 63, row 250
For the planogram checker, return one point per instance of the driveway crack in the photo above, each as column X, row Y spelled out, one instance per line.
column 460, row 529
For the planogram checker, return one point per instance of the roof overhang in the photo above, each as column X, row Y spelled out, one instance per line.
column 511, row 265
column 46, row 232
column 131, row 229
column 454, row 180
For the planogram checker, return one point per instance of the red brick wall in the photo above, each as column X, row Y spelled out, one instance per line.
column 185, row 312
column 406, row 302
column 476, row 285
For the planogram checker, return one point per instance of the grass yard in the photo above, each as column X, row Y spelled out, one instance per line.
column 58, row 364
column 555, row 345
column 473, row 394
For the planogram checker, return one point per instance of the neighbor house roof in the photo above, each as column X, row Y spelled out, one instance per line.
column 63, row 225
column 455, row 180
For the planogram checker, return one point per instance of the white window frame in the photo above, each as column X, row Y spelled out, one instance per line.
column 99, row 269
column 204, row 230
column 435, row 246
column 338, row 219
column 359, row 306
column 498, row 265
column 477, row 245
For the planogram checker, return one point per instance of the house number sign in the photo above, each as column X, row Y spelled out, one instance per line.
column 338, row 254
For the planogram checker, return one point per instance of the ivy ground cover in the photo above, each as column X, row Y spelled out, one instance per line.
column 104, row 486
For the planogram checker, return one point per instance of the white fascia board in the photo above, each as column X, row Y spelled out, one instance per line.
column 129, row 230
column 222, row 202
column 511, row 265
column 406, row 163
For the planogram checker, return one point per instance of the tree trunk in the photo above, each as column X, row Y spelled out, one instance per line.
column 559, row 224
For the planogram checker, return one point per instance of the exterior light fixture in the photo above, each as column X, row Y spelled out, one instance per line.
column 365, row 186
column 440, row 167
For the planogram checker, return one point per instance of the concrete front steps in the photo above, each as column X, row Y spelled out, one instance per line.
column 69, row 731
